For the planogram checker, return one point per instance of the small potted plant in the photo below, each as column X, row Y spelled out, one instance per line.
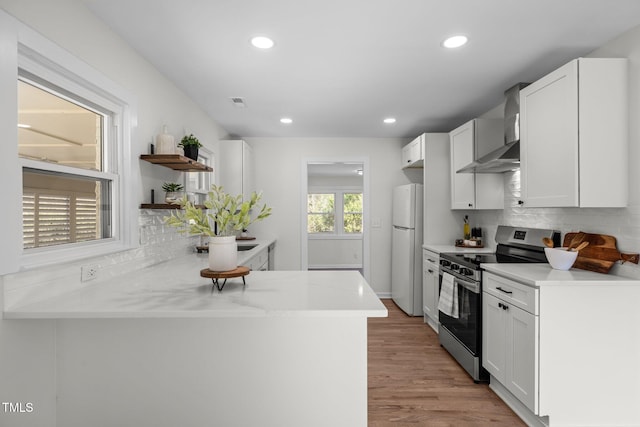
column 225, row 215
column 173, row 192
column 190, row 145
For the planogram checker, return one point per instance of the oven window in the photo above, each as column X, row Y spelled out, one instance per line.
column 466, row 327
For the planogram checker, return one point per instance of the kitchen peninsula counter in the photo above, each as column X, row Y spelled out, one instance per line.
column 175, row 289
column 159, row 348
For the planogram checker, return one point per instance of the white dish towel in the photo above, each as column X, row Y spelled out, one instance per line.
column 448, row 303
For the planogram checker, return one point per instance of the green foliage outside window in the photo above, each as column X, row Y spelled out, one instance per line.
column 322, row 216
column 352, row 208
column 321, row 213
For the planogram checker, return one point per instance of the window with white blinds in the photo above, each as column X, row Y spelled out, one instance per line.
column 53, row 219
column 66, row 185
column 66, row 156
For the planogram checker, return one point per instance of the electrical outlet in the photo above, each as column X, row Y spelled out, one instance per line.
column 88, row 272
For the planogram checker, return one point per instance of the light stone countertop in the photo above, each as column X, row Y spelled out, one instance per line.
column 174, row 289
column 539, row 275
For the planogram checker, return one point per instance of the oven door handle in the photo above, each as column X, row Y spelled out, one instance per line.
column 471, row 286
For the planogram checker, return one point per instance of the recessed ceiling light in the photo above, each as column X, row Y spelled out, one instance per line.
column 262, row 42
column 389, row 120
column 286, row 120
column 455, row 41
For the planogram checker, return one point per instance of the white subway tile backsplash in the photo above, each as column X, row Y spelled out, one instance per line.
column 623, row 223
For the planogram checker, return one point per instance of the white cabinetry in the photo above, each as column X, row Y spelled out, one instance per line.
column 260, row 261
column 430, row 285
column 469, row 142
column 538, row 344
column 510, row 337
column 413, row 153
column 237, row 168
column 574, row 136
column 441, row 225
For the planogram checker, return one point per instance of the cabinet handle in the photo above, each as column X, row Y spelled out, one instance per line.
column 431, row 260
column 470, row 205
column 430, row 271
column 521, row 202
column 504, row 290
column 503, row 306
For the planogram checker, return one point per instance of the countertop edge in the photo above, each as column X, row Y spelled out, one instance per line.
column 16, row 315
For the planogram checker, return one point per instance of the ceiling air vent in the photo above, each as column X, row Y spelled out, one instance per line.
column 238, row 102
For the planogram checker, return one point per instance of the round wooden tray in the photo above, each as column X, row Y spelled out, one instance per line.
column 215, row 276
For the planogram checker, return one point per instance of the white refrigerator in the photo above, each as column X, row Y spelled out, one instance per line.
column 406, row 248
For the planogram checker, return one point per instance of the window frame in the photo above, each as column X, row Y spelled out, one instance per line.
column 30, row 55
column 338, row 193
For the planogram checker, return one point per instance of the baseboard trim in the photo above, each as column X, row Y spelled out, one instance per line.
column 531, row 419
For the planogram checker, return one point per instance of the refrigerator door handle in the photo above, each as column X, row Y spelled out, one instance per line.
column 402, row 228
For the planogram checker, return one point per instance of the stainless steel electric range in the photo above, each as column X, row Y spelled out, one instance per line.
column 461, row 335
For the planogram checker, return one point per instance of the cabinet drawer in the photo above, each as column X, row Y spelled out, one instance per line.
column 430, row 257
column 515, row 293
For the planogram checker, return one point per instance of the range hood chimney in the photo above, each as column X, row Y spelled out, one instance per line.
column 507, row 157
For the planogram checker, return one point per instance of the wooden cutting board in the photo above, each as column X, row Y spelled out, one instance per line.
column 601, row 253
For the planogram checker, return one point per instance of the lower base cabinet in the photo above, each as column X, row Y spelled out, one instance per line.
column 509, row 348
column 260, row 261
column 430, row 285
column 560, row 346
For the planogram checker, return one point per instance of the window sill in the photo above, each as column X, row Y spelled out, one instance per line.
column 335, row 236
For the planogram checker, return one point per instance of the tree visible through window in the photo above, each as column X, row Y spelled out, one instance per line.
column 334, row 213
column 352, row 212
column 321, row 213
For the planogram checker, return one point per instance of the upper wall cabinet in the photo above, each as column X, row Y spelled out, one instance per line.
column 469, row 142
column 413, row 153
column 574, row 136
column 237, row 168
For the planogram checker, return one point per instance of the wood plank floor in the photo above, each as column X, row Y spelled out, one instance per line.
column 415, row 382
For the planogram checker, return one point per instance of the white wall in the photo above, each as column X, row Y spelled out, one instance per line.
column 27, row 348
column 623, row 223
column 278, row 174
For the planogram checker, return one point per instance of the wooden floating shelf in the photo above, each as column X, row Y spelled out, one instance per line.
column 176, row 162
column 165, row 206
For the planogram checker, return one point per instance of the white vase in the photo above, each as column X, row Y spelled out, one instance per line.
column 165, row 143
column 223, row 253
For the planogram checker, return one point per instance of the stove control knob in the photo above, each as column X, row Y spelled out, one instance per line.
column 455, row 267
column 445, row 263
column 466, row 272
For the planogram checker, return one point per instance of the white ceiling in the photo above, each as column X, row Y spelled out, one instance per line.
column 340, row 66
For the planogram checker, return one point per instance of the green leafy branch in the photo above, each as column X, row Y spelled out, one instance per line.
column 228, row 213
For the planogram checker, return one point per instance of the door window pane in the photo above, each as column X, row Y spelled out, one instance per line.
column 320, row 213
column 352, row 212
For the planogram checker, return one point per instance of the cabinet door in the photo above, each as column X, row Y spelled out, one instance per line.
column 462, row 184
column 237, row 168
column 522, row 362
column 248, row 174
column 412, row 153
column 430, row 288
column 494, row 334
column 549, row 139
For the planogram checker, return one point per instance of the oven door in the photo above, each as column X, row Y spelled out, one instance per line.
column 466, row 328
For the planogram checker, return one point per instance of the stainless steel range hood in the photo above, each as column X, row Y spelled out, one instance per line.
column 507, row 157
column 504, row 159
